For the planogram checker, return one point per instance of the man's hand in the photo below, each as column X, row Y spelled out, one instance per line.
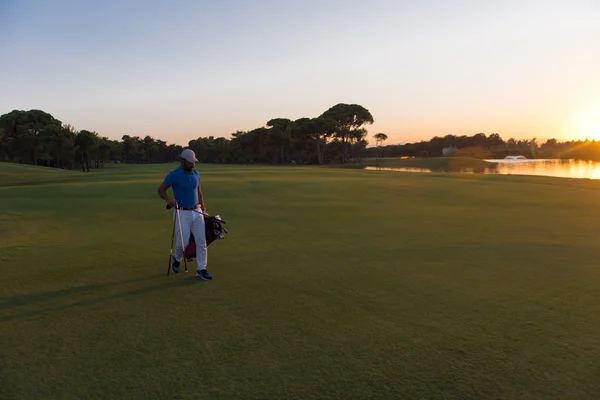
column 171, row 202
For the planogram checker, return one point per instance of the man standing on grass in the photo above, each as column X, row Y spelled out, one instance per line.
column 185, row 181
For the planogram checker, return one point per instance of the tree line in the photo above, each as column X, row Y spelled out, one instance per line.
column 490, row 146
column 338, row 135
column 36, row 137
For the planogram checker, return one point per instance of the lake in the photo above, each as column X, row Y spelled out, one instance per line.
column 558, row 168
column 543, row 167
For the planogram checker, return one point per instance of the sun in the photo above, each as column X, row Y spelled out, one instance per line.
column 586, row 123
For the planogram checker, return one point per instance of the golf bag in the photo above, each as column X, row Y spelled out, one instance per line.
column 213, row 229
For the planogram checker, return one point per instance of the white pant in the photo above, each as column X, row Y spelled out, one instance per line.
column 191, row 221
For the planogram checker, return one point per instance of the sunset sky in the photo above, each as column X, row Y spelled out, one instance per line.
column 178, row 70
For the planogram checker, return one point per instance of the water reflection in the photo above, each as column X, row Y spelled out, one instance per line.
column 546, row 167
column 398, row 169
column 558, row 168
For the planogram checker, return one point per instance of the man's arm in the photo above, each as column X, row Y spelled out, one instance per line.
column 162, row 192
column 201, row 198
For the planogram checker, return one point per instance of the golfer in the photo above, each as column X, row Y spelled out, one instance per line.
column 185, row 181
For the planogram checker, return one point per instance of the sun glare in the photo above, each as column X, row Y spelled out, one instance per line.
column 586, row 123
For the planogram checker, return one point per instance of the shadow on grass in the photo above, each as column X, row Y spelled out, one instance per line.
column 23, row 300
column 8, row 303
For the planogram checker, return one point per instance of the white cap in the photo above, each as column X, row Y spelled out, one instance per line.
column 189, row 155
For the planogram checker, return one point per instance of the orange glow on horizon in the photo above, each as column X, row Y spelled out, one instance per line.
column 585, row 123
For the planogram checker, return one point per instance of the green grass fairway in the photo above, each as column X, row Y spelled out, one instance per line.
column 331, row 284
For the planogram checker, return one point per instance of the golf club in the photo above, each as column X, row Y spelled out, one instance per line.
column 171, row 251
column 181, row 235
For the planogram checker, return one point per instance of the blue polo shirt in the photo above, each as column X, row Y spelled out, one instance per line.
column 185, row 186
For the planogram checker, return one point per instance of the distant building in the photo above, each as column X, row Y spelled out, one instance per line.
column 449, row 150
column 515, row 158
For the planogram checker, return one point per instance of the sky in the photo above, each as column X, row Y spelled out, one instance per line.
column 179, row 70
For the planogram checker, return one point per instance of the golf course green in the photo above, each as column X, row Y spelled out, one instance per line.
column 332, row 283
